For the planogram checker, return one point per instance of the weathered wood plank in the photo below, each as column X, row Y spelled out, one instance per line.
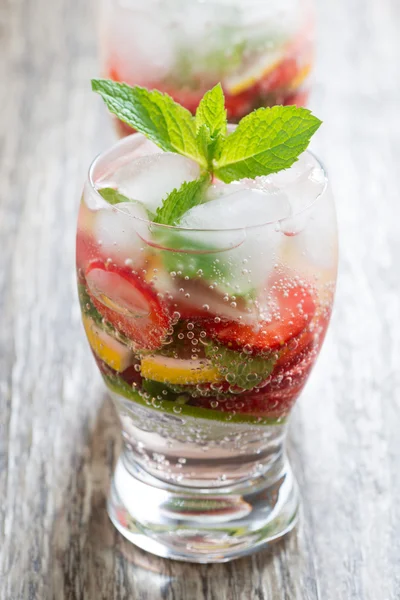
column 58, row 431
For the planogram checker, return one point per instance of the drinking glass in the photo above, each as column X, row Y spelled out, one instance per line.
column 261, row 51
column 205, row 336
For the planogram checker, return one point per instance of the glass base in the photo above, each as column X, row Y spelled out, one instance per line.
column 203, row 525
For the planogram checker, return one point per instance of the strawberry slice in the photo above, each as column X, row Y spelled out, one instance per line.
column 281, row 77
column 295, row 309
column 269, row 405
column 296, row 348
column 201, row 296
column 238, row 106
column 128, row 303
column 299, row 98
column 310, row 339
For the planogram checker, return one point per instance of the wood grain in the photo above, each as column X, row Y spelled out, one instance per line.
column 58, row 431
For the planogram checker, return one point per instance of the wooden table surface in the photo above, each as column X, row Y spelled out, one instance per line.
column 58, row 432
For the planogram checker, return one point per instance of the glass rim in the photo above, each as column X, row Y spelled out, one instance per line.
column 125, row 140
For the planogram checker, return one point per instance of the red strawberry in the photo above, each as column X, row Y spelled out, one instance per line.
column 299, row 98
column 298, row 347
column 274, row 399
column 270, row 405
column 113, row 74
column 132, row 375
column 241, row 104
column 296, row 308
column 122, row 516
column 281, row 76
column 128, row 303
column 188, row 311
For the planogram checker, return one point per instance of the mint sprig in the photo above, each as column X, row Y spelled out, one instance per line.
column 266, row 141
column 181, row 200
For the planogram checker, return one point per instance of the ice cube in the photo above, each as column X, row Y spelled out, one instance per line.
column 319, row 238
column 311, row 229
column 139, row 44
column 254, row 215
column 315, row 243
column 219, row 189
column 244, row 208
column 303, row 166
column 119, row 231
column 196, row 20
column 302, row 184
column 150, row 179
column 143, row 148
column 201, row 23
column 280, row 20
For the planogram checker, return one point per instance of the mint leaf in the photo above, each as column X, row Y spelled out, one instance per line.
column 266, row 141
column 211, row 124
column 156, row 115
column 204, row 142
column 190, row 256
column 181, row 200
column 113, row 196
column 239, row 368
column 201, row 259
column 212, row 112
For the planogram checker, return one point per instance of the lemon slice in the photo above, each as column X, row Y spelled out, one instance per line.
column 108, row 349
column 236, row 84
column 179, row 371
column 301, row 76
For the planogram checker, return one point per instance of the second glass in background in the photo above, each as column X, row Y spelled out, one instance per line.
column 261, row 51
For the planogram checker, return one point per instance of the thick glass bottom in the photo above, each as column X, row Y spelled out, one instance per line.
column 203, row 525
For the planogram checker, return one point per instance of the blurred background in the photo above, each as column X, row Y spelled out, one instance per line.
column 58, row 432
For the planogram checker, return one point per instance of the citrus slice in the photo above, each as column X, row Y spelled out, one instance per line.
column 179, row 371
column 236, row 84
column 301, row 76
column 108, row 349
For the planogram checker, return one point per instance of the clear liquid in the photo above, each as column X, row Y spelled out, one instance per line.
column 197, row 452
